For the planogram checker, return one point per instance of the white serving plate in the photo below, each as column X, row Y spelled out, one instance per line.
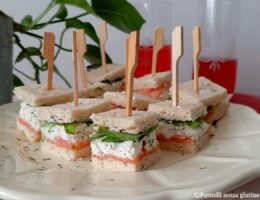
column 231, row 158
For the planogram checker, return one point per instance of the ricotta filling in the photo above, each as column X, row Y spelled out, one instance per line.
column 81, row 133
column 28, row 114
column 126, row 150
column 169, row 130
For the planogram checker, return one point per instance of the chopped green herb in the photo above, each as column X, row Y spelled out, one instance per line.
column 192, row 124
column 107, row 135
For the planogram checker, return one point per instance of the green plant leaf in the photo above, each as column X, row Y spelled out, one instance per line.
column 27, row 20
column 118, row 13
column 88, row 28
column 62, row 13
column 93, row 55
column 83, row 4
column 29, row 51
column 17, row 81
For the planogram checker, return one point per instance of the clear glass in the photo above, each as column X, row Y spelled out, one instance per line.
column 156, row 13
column 219, row 21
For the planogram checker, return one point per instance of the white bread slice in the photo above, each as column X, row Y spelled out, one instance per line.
column 210, row 93
column 115, row 71
column 219, row 112
column 91, row 91
column 67, row 154
column 118, row 166
column 38, row 95
column 118, row 121
column 189, row 148
column 31, row 134
column 68, row 113
column 189, row 109
column 140, row 102
column 150, row 81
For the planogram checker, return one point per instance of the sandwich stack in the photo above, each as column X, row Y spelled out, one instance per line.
column 125, row 140
column 33, row 96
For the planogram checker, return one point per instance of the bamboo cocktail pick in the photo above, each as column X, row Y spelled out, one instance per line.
column 196, row 52
column 75, row 67
column 177, row 52
column 126, row 58
column 131, row 65
column 158, row 41
column 102, row 42
column 82, row 49
column 48, row 54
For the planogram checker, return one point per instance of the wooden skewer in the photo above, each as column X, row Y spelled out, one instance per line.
column 102, row 41
column 48, row 54
column 75, row 67
column 196, row 52
column 126, row 60
column 82, row 49
column 131, row 65
column 158, row 41
column 177, row 52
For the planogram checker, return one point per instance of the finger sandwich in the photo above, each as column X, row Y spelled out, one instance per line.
column 181, row 128
column 212, row 95
column 121, row 143
column 154, row 86
column 66, row 128
column 33, row 96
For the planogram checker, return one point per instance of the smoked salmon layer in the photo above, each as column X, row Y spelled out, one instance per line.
column 68, row 141
column 28, row 122
column 183, row 137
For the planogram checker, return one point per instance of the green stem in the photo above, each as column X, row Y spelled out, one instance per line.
column 61, row 76
column 61, row 20
column 60, row 43
column 39, row 18
column 25, row 75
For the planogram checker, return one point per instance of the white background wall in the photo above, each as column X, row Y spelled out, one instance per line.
column 185, row 13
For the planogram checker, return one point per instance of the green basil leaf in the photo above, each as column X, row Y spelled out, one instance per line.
column 62, row 13
column 107, row 135
column 93, row 55
column 70, row 128
column 118, row 13
column 29, row 51
column 87, row 27
column 27, row 20
column 83, row 4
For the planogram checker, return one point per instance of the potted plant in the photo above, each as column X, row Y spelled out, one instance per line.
column 118, row 13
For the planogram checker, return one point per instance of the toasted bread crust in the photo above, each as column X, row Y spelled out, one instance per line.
column 63, row 153
column 118, row 166
column 38, row 95
column 34, row 136
column 186, row 148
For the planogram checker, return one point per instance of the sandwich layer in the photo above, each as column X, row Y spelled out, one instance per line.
column 114, row 72
column 139, row 102
column 117, row 120
column 118, row 165
column 28, row 114
column 32, row 134
column 189, row 109
column 210, row 93
column 91, row 91
column 217, row 112
column 184, row 145
column 149, row 81
column 38, row 95
column 68, row 113
column 67, row 154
